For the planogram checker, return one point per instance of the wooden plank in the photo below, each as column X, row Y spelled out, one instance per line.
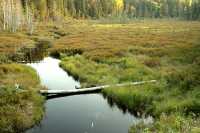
column 92, row 89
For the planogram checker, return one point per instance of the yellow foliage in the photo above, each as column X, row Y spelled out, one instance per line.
column 119, row 5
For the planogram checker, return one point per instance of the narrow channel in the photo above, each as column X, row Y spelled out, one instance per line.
column 88, row 113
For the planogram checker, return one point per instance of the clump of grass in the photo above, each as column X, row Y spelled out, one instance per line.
column 152, row 62
column 185, row 78
column 44, row 43
column 4, row 59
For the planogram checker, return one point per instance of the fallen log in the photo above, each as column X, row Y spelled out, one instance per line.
column 90, row 90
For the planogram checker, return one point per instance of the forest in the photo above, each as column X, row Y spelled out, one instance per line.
column 15, row 13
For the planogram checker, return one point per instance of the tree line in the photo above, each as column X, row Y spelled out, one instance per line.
column 14, row 13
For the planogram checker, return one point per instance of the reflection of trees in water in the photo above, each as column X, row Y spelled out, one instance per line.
column 113, row 103
column 31, row 54
column 38, row 52
column 28, row 55
column 35, row 54
column 54, row 96
column 138, row 112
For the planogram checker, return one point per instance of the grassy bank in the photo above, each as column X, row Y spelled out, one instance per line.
column 23, row 107
column 112, row 71
column 167, row 51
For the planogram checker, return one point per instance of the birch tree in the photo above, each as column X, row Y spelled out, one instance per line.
column 29, row 18
column 12, row 14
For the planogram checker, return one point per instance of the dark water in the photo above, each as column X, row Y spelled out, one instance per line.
column 89, row 113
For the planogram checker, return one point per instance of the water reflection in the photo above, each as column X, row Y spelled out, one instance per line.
column 139, row 111
column 83, row 113
column 54, row 96
column 34, row 54
column 30, row 54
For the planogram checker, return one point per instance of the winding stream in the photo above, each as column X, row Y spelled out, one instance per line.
column 89, row 113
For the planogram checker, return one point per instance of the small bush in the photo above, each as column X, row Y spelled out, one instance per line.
column 4, row 59
column 44, row 43
column 152, row 62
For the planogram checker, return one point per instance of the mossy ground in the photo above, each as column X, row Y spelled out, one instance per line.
column 167, row 51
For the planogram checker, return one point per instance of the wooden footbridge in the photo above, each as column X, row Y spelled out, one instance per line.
column 89, row 90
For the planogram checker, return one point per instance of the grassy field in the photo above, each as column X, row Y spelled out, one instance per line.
column 167, row 51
